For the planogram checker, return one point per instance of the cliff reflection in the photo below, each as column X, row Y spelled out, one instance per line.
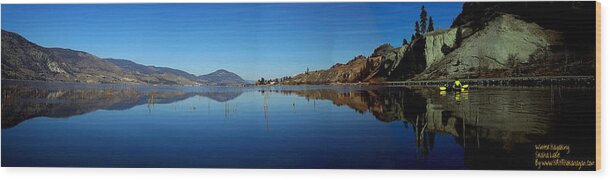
column 20, row 103
column 497, row 126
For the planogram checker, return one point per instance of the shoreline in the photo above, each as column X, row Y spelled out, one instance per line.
column 570, row 81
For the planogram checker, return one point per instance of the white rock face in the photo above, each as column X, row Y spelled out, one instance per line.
column 54, row 67
column 489, row 48
column 435, row 41
column 393, row 57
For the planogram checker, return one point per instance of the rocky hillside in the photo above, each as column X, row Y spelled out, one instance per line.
column 24, row 60
column 505, row 45
column 359, row 69
column 487, row 40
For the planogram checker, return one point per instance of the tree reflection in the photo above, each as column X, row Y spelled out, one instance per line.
column 487, row 125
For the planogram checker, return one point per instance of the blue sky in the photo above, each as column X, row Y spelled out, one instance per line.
column 252, row 40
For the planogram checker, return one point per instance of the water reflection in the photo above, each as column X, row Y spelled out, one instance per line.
column 21, row 102
column 497, row 128
column 494, row 128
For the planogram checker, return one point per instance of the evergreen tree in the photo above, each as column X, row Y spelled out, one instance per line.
column 458, row 37
column 404, row 41
column 417, row 32
column 423, row 18
column 430, row 25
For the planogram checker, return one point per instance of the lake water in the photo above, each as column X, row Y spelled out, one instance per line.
column 75, row 125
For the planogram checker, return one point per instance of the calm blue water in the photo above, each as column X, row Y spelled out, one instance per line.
column 72, row 125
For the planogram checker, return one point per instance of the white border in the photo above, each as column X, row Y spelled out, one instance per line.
column 272, row 174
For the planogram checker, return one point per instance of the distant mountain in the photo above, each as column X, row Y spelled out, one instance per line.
column 24, row 60
column 143, row 69
column 221, row 76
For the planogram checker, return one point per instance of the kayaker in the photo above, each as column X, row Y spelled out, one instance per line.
column 457, row 84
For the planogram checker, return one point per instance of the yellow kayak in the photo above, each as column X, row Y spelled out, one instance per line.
column 464, row 87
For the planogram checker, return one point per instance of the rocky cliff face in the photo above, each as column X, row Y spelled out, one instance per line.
column 391, row 60
column 403, row 62
column 489, row 40
column 514, row 39
column 435, row 41
column 505, row 43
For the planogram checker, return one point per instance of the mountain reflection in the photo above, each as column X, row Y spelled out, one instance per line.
column 22, row 102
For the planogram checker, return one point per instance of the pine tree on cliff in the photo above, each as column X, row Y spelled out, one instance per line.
column 458, row 38
column 417, row 32
column 404, row 41
column 423, row 18
column 430, row 25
